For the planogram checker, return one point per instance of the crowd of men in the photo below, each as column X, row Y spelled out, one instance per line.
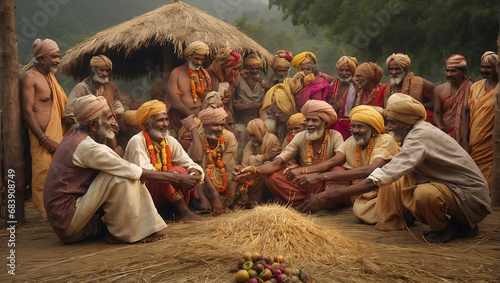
column 220, row 138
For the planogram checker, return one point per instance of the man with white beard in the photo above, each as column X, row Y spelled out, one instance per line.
column 314, row 145
column 403, row 81
column 154, row 149
column 96, row 84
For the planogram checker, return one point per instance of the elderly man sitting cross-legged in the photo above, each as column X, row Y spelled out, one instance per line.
column 90, row 188
column 154, row 149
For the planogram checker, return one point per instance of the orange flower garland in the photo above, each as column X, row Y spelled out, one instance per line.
column 368, row 153
column 196, row 91
column 166, row 154
column 216, row 154
column 320, row 157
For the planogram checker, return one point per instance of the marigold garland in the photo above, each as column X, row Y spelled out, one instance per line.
column 368, row 153
column 215, row 154
column 166, row 154
column 319, row 157
column 368, row 99
column 196, row 91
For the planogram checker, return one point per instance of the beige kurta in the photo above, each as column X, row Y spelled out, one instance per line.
column 433, row 156
column 244, row 94
column 382, row 207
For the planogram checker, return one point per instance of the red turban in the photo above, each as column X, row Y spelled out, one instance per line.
column 456, row 61
column 321, row 108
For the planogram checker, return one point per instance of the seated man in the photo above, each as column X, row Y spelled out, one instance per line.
column 154, row 149
column 451, row 194
column 86, row 176
column 368, row 148
column 314, row 146
column 296, row 124
column 262, row 147
column 370, row 90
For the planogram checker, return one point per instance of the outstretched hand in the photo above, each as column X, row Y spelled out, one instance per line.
column 245, row 174
column 291, row 172
column 307, row 180
column 313, row 204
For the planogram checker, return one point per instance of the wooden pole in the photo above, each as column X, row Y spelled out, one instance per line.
column 12, row 146
column 495, row 176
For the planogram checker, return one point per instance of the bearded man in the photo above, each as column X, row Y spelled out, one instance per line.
column 312, row 85
column 314, row 145
column 89, row 189
column 43, row 101
column 281, row 67
column 450, row 195
column 482, row 115
column 343, row 94
column 154, row 149
column 96, row 84
column 262, row 147
column 295, row 124
column 450, row 110
column 188, row 84
column 371, row 91
column 403, row 81
column 368, row 148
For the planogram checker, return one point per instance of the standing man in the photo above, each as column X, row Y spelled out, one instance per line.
column 403, row 81
column 450, row 110
column 188, row 84
column 482, row 115
column 43, row 101
column 450, row 195
column 280, row 66
column 370, row 90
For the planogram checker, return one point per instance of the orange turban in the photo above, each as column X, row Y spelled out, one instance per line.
column 371, row 71
column 196, row 47
column 147, row 110
column 228, row 58
column 405, row 108
column 211, row 116
column 401, row 59
column 101, row 61
column 304, row 58
column 368, row 115
column 282, row 58
column 489, row 58
column 89, row 107
column 352, row 61
column 456, row 61
column 42, row 48
column 130, row 117
column 252, row 59
column 296, row 118
column 257, row 127
column 321, row 108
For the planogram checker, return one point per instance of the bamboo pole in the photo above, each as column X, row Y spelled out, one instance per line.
column 12, row 146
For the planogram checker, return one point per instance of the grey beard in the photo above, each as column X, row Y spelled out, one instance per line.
column 100, row 79
column 104, row 132
column 254, row 76
column 365, row 138
column 157, row 134
column 344, row 79
column 212, row 136
column 316, row 135
column 53, row 69
column 396, row 79
column 193, row 66
column 361, row 84
column 280, row 79
column 270, row 122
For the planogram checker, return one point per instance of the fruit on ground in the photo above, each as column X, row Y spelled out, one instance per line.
column 242, row 276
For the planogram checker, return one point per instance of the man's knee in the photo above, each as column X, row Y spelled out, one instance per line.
column 426, row 195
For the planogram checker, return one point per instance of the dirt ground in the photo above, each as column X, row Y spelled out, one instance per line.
column 41, row 257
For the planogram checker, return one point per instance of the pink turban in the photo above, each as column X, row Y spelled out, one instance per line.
column 147, row 110
column 304, row 58
column 252, row 59
column 42, row 48
column 321, row 108
column 89, row 107
column 101, row 61
column 371, row 71
column 401, row 59
column 257, row 127
column 212, row 116
column 489, row 58
column 282, row 58
column 351, row 61
column 456, row 61
column 228, row 58
column 196, row 47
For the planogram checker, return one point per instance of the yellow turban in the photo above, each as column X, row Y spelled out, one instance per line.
column 321, row 108
column 211, row 116
column 252, row 59
column 147, row 110
column 352, row 61
column 282, row 95
column 489, row 58
column 257, row 128
column 304, row 58
column 100, row 61
column 282, row 58
column 228, row 58
column 401, row 59
column 196, row 47
column 130, row 117
column 89, row 107
column 368, row 115
column 296, row 118
column 371, row 71
column 405, row 108
column 42, row 48
column 456, row 61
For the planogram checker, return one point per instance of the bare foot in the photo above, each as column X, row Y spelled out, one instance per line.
column 191, row 216
column 153, row 238
column 217, row 205
column 452, row 231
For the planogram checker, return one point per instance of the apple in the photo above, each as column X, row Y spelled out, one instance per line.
column 240, row 263
column 280, row 259
column 266, row 274
column 268, row 266
column 295, row 271
column 267, row 259
column 282, row 267
column 242, row 276
column 275, row 265
column 233, row 268
column 247, row 256
column 294, row 279
column 255, row 256
column 252, row 273
column 253, row 280
column 247, row 265
column 282, row 278
column 259, row 267
column 288, row 271
column 277, row 272
column 305, row 277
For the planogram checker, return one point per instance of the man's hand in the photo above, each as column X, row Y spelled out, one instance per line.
column 188, row 122
column 291, row 172
column 272, row 154
column 314, row 203
column 255, row 105
column 307, row 180
column 245, row 174
column 50, row 145
column 186, row 181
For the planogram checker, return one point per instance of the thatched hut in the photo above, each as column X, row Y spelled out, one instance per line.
column 154, row 42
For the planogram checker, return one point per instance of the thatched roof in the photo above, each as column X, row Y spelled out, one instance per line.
column 136, row 45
